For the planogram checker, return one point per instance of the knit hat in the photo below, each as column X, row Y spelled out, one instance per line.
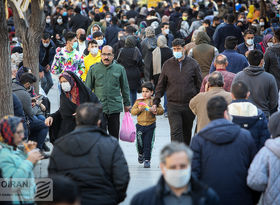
column 150, row 31
column 273, row 125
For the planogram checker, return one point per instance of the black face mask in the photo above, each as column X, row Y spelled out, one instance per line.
column 82, row 37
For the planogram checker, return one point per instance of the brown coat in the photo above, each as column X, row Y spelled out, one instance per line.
column 145, row 118
column 199, row 102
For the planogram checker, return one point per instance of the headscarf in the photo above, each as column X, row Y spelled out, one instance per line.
column 184, row 29
column 143, row 11
column 266, row 39
column 161, row 43
column 130, row 42
column 73, row 95
column 150, row 31
column 8, row 126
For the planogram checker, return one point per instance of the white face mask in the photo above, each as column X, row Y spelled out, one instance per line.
column 94, row 51
column 166, row 31
column 48, row 20
column 178, row 178
column 65, row 86
column 250, row 42
column 59, row 21
column 108, row 19
column 261, row 23
column 256, row 25
column 100, row 42
column 269, row 44
column 46, row 44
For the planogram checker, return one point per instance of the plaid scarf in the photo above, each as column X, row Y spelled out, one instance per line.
column 73, row 95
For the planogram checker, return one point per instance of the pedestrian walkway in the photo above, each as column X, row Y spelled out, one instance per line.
column 140, row 178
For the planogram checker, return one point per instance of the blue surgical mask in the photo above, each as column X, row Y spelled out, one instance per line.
column 75, row 45
column 64, row 13
column 177, row 55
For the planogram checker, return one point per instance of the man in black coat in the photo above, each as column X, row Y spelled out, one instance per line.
column 176, row 185
column 93, row 159
column 78, row 21
column 112, row 31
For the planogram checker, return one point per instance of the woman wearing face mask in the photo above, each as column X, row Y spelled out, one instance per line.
column 49, row 26
column 73, row 93
column 15, row 163
column 59, row 26
column 266, row 42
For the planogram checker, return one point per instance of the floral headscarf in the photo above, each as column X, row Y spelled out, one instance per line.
column 8, row 126
column 73, row 95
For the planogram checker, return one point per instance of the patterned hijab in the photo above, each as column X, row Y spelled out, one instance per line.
column 73, row 95
column 8, row 126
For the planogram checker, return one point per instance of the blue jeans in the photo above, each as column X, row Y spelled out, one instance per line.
column 133, row 96
column 47, row 82
column 38, row 131
column 40, row 117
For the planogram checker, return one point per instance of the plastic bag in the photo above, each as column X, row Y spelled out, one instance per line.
column 128, row 130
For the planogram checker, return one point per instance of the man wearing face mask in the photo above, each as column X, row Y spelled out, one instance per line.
column 223, row 152
column 82, row 42
column 92, row 58
column 181, row 80
column 176, row 185
column 109, row 82
column 99, row 37
column 248, row 44
column 166, row 32
column 46, row 56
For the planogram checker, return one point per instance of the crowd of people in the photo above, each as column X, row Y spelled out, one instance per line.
column 212, row 62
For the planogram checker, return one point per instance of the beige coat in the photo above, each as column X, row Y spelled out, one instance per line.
column 199, row 102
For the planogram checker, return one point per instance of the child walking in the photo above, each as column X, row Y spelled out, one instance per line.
column 146, row 123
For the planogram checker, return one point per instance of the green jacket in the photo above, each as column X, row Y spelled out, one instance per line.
column 110, row 85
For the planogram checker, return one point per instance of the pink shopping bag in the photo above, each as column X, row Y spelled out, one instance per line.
column 128, row 130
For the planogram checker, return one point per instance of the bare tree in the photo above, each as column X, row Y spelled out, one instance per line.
column 6, row 100
column 29, row 20
column 263, row 8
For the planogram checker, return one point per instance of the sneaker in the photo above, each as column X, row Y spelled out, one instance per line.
column 147, row 164
column 165, row 114
column 45, row 148
column 140, row 158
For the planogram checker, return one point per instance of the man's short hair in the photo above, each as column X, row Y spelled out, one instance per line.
column 216, row 107
column 46, row 36
column 130, row 30
column 163, row 24
column 148, row 85
column 231, row 42
column 114, row 20
column 77, row 10
column 97, row 34
column 69, row 36
column 207, row 21
column 216, row 18
column 221, row 59
column 249, row 31
column 216, row 79
column 178, row 42
column 255, row 57
column 230, row 18
column 92, row 42
column 27, row 78
column 239, row 90
column 88, row 114
column 175, row 147
column 277, row 34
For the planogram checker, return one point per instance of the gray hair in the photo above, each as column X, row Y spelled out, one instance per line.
column 216, row 79
column 175, row 147
column 222, row 61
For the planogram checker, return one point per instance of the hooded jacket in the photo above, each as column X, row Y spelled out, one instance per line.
column 95, row 161
column 262, row 87
column 264, row 174
column 222, row 155
column 203, row 52
column 249, row 117
column 147, row 47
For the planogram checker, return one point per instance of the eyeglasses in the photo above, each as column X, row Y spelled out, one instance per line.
column 107, row 54
column 20, row 132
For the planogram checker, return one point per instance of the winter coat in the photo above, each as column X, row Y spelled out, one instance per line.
column 110, row 85
column 225, row 31
column 236, row 61
column 95, row 161
column 78, row 21
column 262, row 87
column 147, row 46
column 63, row 119
column 111, row 34
column 51, row 53
column 272, row 62
column 242, row 48
column 200, row 194
column 18, row 111
column 14, row 165
column 181, row 83
column 49, row 28
column 249, row 117
column 264, row 174
column 131, row 59
column 222, row 155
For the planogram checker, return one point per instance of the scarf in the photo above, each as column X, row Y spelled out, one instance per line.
column 161, row 43
column 73, row 95
column 8, row 126
column 184, row 29
column 266, row 39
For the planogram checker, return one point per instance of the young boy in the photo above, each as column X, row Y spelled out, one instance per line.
column 146, row 123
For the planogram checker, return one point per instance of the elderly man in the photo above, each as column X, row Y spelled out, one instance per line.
column 222, row 155
column 214, row 87
column 82, row 42
column 220, row 64
column 176, row 185
column 110, row 84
